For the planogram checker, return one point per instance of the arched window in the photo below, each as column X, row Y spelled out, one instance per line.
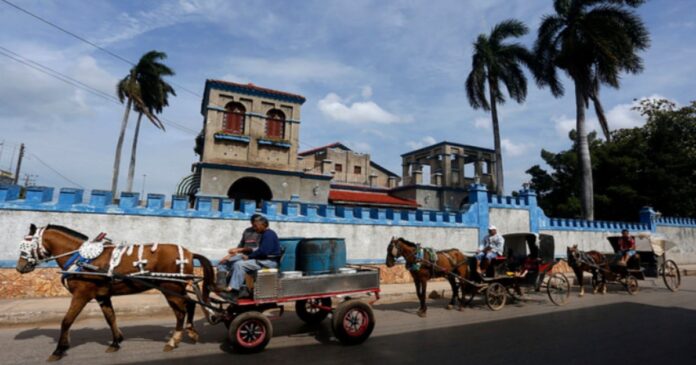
column 275, row 124
column 234, row 118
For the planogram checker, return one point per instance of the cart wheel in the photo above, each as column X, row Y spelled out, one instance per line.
column 353, row 322
column 671, row 275
column 496, row 295
column 250, row 332
column 469, row 293
column 308, row 311
column 631, row 284
column 558, row 288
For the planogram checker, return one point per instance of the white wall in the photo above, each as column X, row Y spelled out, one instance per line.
column 211, row 237
column 586, row 240
column 685, row 238
column 509, row 220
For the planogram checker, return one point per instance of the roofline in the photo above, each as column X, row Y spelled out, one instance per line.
column 384, row 169
column 448, row 143
column 248, row 89
column 317, row 149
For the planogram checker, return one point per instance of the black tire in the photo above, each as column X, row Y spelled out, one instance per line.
column 308, row 311
column 353, row 322
column 250, row 332
column 558, row 289
column 631, row 285
column 496, row 296
column 671, row 275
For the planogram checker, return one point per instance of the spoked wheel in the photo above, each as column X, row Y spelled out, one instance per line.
column 496, row 295
column 631, row 284
column 558, row 288
column 309, row 311
column 353, row 322
column 671, row 275
column 250, row 332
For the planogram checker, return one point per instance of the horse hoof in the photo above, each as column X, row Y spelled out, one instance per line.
column 449, row 307
column 421, row 314
column 112, row 348
column 168, row 348
column 461, row 308
column 193, row 337
column 54, row 357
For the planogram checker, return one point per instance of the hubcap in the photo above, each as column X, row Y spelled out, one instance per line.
column 355, row 322
column 251, row 333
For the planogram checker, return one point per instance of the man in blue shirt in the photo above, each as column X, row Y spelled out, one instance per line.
column 266, row 255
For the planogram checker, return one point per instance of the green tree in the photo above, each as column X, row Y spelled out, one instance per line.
column 495, row 62
column 141, row 92
column 593, row 42
column 651, row 165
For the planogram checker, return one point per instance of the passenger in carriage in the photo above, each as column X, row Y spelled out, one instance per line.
column 490, row 247
column 265, row 256
column 248, row 243
column 627, row 248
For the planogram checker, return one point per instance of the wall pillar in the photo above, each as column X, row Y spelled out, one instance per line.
column 648, row 216
column 478, row 197
column 530, row 199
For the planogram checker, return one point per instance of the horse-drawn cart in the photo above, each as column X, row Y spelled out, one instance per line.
column 650, row 261
column 249, row 327
column 528, row 262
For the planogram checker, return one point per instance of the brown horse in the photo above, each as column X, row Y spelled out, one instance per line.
column 591, row 261
column 60, row 244
column 447, row 263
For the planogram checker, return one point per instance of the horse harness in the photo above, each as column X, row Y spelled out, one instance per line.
column 421, row 255
column 35, row 253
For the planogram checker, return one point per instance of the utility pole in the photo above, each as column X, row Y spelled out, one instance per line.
column 19, row 163
column 142, row 191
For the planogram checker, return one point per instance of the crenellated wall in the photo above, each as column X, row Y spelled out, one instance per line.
column 213, row 225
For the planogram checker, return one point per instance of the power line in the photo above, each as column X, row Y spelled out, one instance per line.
column 76, row 83
column 74, row 35
column 34, row 156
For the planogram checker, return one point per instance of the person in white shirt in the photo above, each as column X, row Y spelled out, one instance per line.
column 490, row 247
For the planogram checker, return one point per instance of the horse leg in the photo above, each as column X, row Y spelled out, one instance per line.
column 178, row 305
column 455, row 289
column 190, row 331
column 110, row 316
column 579, row 277
column 422, row 296
column 77, row 303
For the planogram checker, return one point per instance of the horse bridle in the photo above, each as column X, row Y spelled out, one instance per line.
column 33, row 250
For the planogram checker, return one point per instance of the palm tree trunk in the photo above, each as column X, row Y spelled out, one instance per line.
column 119, row 146
column 586, row 187
column 499, row 182
column 131, row 167
column 599, row 110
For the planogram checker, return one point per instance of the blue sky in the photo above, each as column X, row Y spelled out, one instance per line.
column 382, row 77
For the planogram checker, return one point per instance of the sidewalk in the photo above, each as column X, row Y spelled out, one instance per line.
column 47, row 310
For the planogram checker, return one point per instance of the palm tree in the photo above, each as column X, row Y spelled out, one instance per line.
column 155, row 95
column 139, row 91
column 494, row 62
column 593, row 42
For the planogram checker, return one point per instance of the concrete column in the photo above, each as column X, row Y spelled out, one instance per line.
column 391, row 182
column 446, row 169
column 438, row 179
column 460, row 166
column 326, row 167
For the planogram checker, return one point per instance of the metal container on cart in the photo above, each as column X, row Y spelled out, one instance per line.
column 316, row 256
column 289, row 245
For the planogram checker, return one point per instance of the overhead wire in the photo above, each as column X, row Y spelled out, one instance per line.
column 86, row 41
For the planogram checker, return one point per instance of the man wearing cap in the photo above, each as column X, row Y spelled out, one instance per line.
column 249, row 242
column 490, row 247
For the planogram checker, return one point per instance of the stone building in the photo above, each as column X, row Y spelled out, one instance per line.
column 6, row 177
column 347, row 167
column 438, row 176
column 248, row 146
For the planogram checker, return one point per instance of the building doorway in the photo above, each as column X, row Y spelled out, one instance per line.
column 249, row 188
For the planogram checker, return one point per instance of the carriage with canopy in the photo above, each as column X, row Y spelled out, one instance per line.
column 650, row 261
column 528, row 263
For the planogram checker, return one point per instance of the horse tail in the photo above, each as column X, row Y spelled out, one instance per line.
column 208, row 275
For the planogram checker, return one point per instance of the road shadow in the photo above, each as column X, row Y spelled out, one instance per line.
column 608, row 334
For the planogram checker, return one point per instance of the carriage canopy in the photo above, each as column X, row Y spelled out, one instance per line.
column 530, row 244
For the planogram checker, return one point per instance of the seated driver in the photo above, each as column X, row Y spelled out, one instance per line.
column 490, row 247
column 248, row 243
column 265, row 256
column 627, row 247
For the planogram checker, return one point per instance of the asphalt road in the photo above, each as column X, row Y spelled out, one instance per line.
column 656, row 326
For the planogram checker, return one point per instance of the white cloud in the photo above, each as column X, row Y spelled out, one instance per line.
column 423, row 142
column 360, row 147
column 512, row 148
column 338, row 109
column 293, row 69
column 482, row 123
column 563, row 125
column 366, row 92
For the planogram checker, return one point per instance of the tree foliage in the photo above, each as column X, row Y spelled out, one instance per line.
column 651, row 165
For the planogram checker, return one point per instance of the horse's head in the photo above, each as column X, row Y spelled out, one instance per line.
column 572, row 254
column 30, row 250
column 393, row 252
